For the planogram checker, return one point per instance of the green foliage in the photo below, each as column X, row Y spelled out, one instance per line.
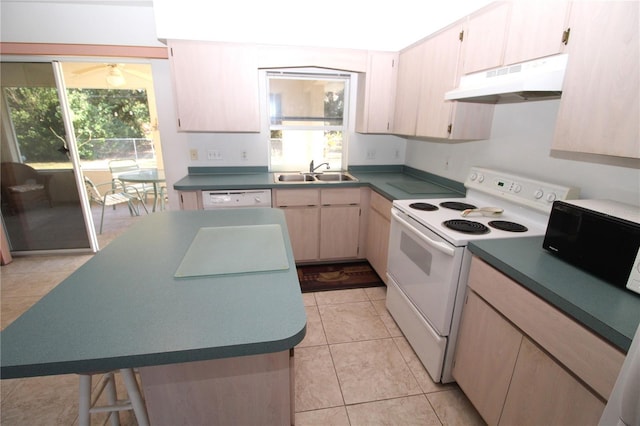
column 98, row 114
column 334, row 107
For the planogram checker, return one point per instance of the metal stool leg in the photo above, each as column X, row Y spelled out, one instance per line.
column 84, row 416
column 112, row 398
column 135, row 397
column 88, row 401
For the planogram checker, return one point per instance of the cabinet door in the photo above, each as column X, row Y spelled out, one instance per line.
column 535, row 30
column 485, row 356
column 339, row 231
column 484, row 38
column 442, row 53
column 190, row 200
column 216, row 86
column 378, row 242
column 376, row 93
column 408, row 90
column 543, row 393
column 599, row 108
column 304, row 232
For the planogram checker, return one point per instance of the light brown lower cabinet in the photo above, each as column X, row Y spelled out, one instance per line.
column 323, row 224
column 190, row 200
column 339, row 231
column 486, row 354
column 245, row 390
column 520, row 361
column 378, row 233
column 542, row 392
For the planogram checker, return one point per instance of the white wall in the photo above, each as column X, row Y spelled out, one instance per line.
column 521, row 143
column 127, row 24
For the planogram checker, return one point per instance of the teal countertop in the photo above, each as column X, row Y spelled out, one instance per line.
column 382, row 179
column 609, row 311
column 124, row 308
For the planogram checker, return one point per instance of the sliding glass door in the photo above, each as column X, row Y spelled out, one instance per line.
column 43, row 203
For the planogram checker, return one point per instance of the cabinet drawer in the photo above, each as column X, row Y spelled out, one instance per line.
column 296, row 197
column 589, row 357
column 381, row 205
column 340, row 196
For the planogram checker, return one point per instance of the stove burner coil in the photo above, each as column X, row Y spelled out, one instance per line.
column 466, row 226
column 504, row 225
column 423, row 206
column 457, row 205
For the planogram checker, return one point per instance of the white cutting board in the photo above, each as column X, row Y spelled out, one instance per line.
column 234, row 250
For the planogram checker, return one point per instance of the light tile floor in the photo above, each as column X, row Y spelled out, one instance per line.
column 354, row 367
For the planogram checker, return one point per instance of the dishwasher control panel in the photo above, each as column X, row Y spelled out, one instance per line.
column 222, row 199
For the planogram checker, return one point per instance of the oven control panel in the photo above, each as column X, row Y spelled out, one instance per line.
column 531, row 192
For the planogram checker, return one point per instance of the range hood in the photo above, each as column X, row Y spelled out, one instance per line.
column 539, row 79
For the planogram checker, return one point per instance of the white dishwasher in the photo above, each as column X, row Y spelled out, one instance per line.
column 237, row 198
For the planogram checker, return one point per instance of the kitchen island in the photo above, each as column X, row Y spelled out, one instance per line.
column 126, row 309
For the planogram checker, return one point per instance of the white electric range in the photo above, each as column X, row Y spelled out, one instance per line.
column 428, row 263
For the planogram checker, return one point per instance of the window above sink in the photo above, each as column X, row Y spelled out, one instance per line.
column 308, row 116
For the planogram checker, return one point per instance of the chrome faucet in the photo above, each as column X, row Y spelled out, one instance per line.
column 313, row 169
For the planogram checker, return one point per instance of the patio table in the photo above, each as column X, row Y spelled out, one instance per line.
column 154, row 177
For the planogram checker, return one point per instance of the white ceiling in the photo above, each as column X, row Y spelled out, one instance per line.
column 375, row 24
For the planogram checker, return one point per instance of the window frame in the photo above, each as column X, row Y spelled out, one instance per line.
column 311, row 74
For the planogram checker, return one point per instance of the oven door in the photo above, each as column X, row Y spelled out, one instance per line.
column 426, row 269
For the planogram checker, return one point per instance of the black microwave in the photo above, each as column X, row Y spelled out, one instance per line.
column 601, row 237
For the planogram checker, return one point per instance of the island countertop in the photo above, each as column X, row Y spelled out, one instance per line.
column 124, row 307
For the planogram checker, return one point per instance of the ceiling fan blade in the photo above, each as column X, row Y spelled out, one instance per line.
column 139, row 74
column 91, row 69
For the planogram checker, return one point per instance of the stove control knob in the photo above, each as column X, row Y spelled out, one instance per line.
column 517, row 188
column 538, row 194
column 551, row 197
column 473, row 176
column 480, row 178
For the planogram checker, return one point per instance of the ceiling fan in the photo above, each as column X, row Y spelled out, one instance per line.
column 114, row 73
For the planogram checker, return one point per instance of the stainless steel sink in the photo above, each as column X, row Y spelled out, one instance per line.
column 297, row 177
column 335, row 177
column 326, row 177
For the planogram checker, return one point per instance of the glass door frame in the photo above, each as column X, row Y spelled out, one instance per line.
column 70, row 138
column 71, row 145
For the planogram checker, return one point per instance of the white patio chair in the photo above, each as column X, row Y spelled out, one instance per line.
column 118, row 167
column 114, row 196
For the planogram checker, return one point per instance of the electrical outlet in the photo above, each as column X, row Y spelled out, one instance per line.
column 213, row 154
column 194, row 154
column 371, row 154
column 243, row 156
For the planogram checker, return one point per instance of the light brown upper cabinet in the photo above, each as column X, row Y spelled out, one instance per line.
column 484, row 38
column 376, row 93
column 599, row 108
column 426, row 71
column 216, row 86
column 536, row 30
column 407, row 93
column 505, row 33
column 442, row 119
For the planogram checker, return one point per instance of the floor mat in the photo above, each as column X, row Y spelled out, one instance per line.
column 337, row 276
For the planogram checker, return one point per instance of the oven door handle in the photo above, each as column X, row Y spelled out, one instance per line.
column 444, row 248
